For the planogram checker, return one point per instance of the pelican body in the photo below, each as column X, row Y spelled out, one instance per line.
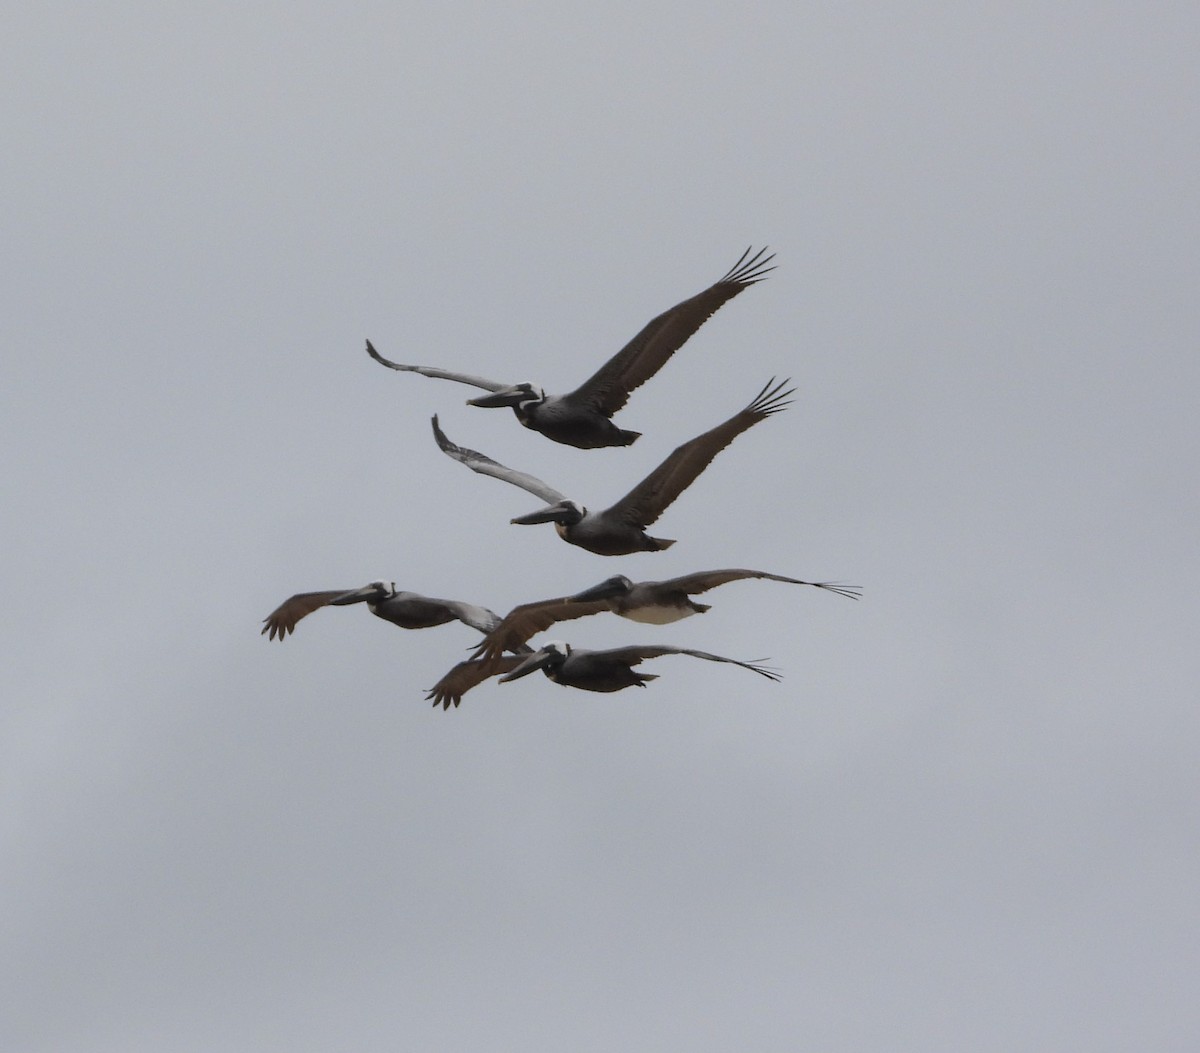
column 567, row 419
column 583, row 418
column 606, row 533
column 608, row 671
column 603, row 671
column 621, row 529
column 409, row 610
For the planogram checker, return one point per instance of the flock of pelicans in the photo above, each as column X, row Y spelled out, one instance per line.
column 582, row 418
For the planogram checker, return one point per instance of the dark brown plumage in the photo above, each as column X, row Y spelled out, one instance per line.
column 581, row 418
column 621, row 528
column 409, row 610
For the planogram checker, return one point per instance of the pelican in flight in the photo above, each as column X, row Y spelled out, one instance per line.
column 604, row 671
column 652, row 602
column 409, row 610
column 582, row 418
column 621, row 529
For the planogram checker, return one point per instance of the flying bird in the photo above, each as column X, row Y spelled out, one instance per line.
column 582, row 418
column 604, row 671
column 621, row 529
column 409, row 610
column 652, row 602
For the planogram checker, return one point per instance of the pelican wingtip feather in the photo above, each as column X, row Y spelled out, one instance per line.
column 749, row 270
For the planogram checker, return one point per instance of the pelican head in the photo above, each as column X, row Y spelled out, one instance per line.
column 549, row 658
column 373, row 593
column 618, row 585
column 565, row 513
column 517, row 395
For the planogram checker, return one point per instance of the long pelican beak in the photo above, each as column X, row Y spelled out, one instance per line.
column 367, row 592
column 504, row 397
column 532, row 663
column 549, row 514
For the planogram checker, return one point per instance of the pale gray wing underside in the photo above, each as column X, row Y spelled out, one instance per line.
column 484, row 465
column 437, row 374
column 476, row 617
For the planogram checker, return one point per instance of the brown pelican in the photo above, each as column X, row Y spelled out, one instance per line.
column 604, row 671
column 409, row 610
column 581, row 418
column 621, row 529
column 652, row 602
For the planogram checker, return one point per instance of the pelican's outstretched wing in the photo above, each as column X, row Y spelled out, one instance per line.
column 433, row 371
column 529, row 619
column 704, row 580
column 647, row 501
column 468, row 674
column 282, row 620
column 636, row 654
column 470, row 614
column 484, row 465
column 608, row 389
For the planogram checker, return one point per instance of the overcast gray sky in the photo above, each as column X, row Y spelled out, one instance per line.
column 968, row 817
